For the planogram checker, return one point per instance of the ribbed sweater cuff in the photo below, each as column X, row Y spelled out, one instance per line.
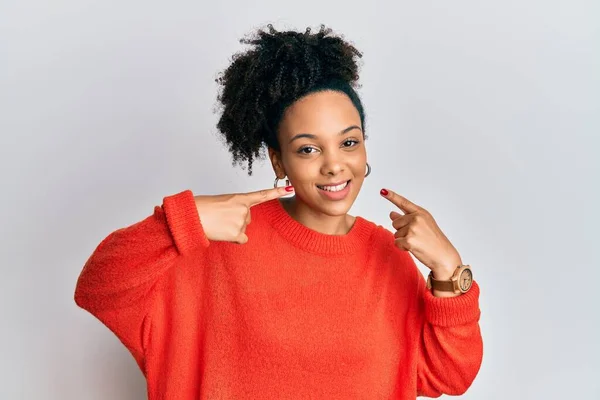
column 453, row 311
column 184, row 222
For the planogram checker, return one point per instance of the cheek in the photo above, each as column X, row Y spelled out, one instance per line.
column 359, row 166
column 300, row 172
column 306, row 177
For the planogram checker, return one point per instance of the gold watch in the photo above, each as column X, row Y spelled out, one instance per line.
column 460, row 282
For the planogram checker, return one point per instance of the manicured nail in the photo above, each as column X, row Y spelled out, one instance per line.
column 289, row 188
column 384, row 192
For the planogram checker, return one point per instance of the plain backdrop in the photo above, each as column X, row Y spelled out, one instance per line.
column 485, row 113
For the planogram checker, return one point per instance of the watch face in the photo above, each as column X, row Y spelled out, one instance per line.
column 465, row 280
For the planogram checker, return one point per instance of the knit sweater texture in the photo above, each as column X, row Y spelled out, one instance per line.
column 292, row 314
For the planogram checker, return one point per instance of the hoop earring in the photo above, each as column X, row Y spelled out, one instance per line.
column 368, row 170
column 287, row 182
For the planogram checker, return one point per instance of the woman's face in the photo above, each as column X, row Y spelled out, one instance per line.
column 322, row 151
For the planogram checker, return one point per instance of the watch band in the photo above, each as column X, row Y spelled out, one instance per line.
column 444, row 286
column 456, row 283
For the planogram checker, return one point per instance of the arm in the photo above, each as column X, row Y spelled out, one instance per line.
column 449, row 344
column 116, row 282
column 450, row 347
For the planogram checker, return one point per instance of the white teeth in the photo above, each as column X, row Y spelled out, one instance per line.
column 334, row 188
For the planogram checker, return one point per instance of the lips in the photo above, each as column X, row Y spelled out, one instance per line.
column 335, row 186
column 336, row 195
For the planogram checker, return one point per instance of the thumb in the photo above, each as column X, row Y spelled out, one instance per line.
column 241, row 239
column 395, row 215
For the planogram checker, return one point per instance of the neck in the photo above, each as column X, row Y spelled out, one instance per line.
column 315, row 220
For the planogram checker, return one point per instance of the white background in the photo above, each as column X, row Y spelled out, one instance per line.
column 485, row 113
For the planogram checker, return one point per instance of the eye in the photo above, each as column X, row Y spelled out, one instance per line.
column 307, row 150
column 350, row 143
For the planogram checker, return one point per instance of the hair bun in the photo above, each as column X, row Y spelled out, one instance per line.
column 278, row 68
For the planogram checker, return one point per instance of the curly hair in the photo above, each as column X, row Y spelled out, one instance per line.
column 280, row 68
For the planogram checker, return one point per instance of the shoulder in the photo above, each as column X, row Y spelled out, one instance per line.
column 382, row 243
column 265, row 212
column 383, row 239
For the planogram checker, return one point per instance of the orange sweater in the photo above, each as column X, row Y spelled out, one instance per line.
column 292, row 314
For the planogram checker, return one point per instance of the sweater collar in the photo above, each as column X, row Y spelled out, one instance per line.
column 313, row 241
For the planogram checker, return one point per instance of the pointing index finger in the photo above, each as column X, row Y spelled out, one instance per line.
column 401, row 202
column 261, row 196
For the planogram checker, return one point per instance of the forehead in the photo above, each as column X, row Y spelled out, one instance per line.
column 326, row 112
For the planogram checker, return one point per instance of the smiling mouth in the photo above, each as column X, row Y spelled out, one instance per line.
column 335, row 188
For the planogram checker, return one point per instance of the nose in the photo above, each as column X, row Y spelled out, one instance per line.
column 333, row 164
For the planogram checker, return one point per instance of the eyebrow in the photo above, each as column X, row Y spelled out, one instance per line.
column 311, row 136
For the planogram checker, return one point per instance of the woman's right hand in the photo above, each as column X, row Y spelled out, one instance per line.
column 225, row 217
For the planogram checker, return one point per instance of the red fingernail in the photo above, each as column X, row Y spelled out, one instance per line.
column 289, row 188
column 384, row 192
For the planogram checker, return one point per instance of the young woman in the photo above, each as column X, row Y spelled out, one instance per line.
column 262, row 296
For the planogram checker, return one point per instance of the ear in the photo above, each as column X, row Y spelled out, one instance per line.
column 275, row 157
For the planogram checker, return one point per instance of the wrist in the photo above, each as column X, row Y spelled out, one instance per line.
column 443, row 274
column 445, row 270
column 446, row 273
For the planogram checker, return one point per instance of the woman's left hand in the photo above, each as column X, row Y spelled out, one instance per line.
column 418, row 233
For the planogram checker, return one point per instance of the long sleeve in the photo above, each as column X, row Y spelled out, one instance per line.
column 450, row 346
column 117, row 281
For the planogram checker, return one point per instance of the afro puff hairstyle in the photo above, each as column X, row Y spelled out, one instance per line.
column 279, row 68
